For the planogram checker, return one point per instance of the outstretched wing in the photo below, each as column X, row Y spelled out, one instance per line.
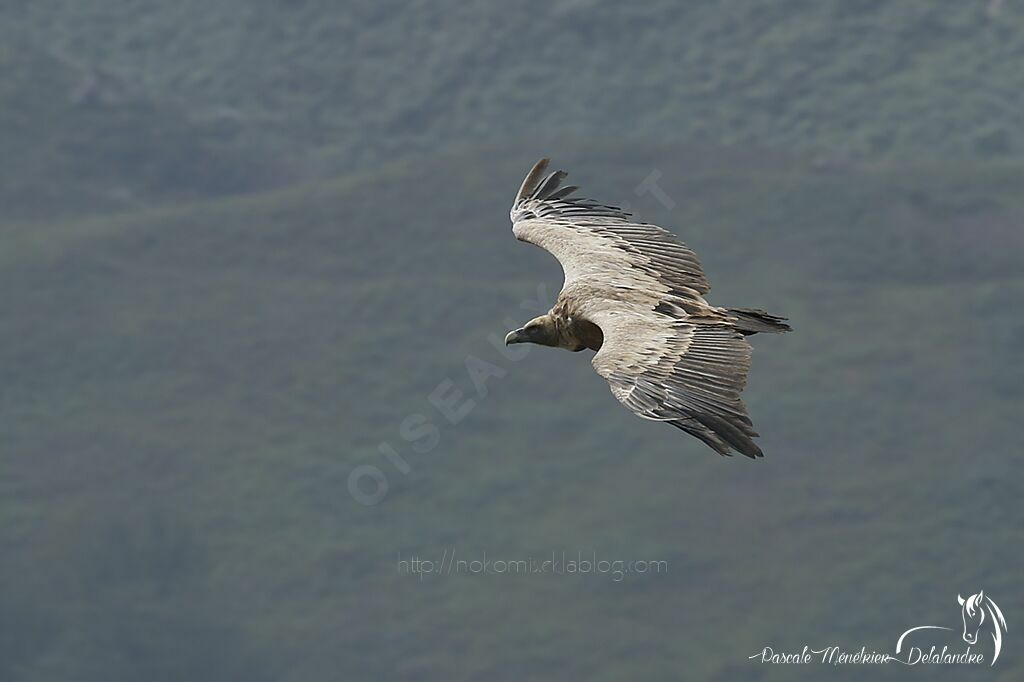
column 687, row 373
column 592, row 239
column 666, row 354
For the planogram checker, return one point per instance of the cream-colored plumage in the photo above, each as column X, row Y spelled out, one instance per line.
column 666, row 353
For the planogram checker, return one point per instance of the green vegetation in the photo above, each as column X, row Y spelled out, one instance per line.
column 244, row 241
column 186, row 392
column 273, row 91
column 77, row 139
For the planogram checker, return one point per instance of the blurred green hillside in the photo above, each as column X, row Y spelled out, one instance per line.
column 77, row 139
column 245, row 242
column 237, row 95
column 186, row 391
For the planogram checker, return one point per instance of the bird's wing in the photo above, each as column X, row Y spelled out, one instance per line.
column 665, row 355
column 591, row 239
column 686, row 371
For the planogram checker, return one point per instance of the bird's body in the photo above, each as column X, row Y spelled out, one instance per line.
column 634, row 294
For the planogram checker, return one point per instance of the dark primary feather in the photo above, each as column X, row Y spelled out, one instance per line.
column 530, row 181
column 564, row 192
column 550, row 184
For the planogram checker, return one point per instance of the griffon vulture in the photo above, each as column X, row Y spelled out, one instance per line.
column 634, row 293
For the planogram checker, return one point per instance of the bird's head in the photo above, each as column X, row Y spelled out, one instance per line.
column 540, row 330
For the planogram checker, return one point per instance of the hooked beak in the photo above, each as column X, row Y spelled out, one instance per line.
column 515, row 336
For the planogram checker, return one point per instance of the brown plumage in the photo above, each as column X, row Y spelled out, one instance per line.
column 634, row 293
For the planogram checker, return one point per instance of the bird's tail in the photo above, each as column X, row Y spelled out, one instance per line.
column 751, row 321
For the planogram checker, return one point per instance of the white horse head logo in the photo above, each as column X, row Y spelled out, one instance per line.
column 979, row 611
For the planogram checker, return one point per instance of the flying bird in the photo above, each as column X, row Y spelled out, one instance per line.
column 634, row 293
